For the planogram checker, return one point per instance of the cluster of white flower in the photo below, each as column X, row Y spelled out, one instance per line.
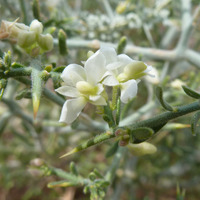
column 87, row 84
column 101, row 25
column 29, row 38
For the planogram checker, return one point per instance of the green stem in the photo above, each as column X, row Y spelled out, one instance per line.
column 115, row 95
column 110, row 174
column 47, row 93
column 167, row 116
column 155, row 123
column 16, row 72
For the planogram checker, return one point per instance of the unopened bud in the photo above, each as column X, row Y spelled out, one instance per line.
column 135, row 70
column 45, row 42
column 89, row 53
column 122, row 6
column 142, row 148
column 26, row 39
column 36, row 26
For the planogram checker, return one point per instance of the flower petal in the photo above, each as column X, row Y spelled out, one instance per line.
column 71, row 109
column 115, row 65
column 68, row 91
column 100, row 88
column 72, row 74
column 128, row 90
column 95, row 67
column 97, row 100
column 122, row 61
column 110, row 81
column 110, row 54
column 124, row 58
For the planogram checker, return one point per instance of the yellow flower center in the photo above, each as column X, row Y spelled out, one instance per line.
column 85, row 88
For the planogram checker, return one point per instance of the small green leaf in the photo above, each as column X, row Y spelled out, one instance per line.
column 112, row 150
column 62, row 42
column 122, row 44
column 159, row 95
column 98, row 174
column 62, row 184
column 7, row 59
column 73, row 169
column 191, row 92
column 36, row 9
column 140, row 134
column 92, row 176
column 17, row 65
column 194, row 122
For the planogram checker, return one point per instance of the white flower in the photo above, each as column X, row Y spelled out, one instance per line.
column 124, row 72
column 82, row 85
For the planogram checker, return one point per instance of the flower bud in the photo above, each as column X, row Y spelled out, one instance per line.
column 26, row 39
column 122, row 6
column 89, row 53
column 45, row 42
column 36, row 26
column 135, row 70
column 142, row 148
column 11, row 29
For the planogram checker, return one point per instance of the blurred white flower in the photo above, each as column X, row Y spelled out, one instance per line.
column 177, row 83
column 155, row 78
column 82, row 85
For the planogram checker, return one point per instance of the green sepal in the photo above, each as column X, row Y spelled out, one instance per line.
column 159, row 95
column 112, row 150
column 191, row 92
column 140, row 134
column 194, row 122
column 63, row 183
